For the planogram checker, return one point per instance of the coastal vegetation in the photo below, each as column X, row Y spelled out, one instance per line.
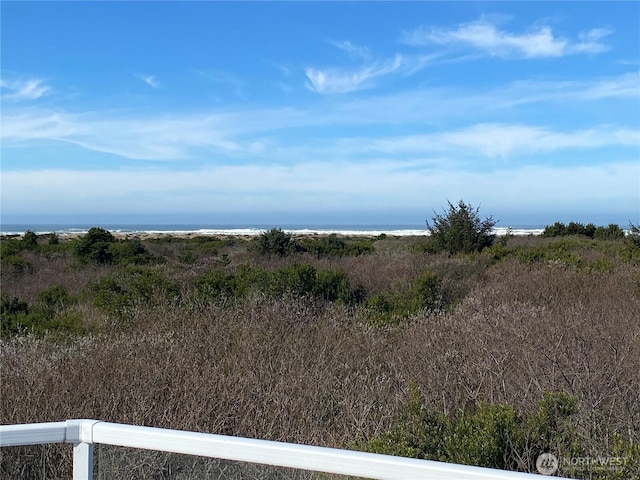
column 458, row 346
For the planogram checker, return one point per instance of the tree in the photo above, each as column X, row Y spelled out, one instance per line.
column 612, row 232
column 54, row 239
column 275, row 242
column 460, row 230
column 30, row 240
column 94, row 246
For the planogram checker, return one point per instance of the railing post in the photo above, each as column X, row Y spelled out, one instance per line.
column 82, row 461
column 80, row 434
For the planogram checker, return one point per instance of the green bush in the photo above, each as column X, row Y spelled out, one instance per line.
column 299, row 280
column 216, row 285
column 332, row 245
column 11, row 253
column 55, row 298
column 208, row 245
column 460, row 230
column 93, row 247
column 126, row 289
column 250, row 280
column 498, row 436
column 295, row 279
column 17, row 264
column 30, row 240
column 334, row 286
column 559, row 229
column 612, row 232
column 50, row 314
column 634, row 235
column 10, row 247
column 426, row 293
column 494, row 436
column 275, row 242
column 99, row 246
column 53, row 239
column 130, row 251
column 393, row 308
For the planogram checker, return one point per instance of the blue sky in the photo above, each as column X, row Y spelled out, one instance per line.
column 328, row 112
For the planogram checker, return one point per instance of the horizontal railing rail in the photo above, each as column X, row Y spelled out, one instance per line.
column 84, row 433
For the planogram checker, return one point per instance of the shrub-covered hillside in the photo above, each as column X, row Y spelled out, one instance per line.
column 389, row 344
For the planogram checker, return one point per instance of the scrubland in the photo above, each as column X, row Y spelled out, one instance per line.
column 490, row 358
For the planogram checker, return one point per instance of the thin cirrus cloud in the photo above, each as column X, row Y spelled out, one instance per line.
column 352, row 49
column 236, row 133
column 23, row 89
column 489, row 140
column 333, row 80
column 149, row 80
column 484, row 36
column 141, row 138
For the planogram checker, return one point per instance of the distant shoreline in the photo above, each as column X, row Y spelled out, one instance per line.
column 145, row 234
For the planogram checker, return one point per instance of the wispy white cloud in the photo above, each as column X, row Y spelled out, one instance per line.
column 149, row 80
column 485, row 140
column 345, row 81
column 236, row 133
column 590, row 41
column 503, row 140
column 486, row 37
column 627, row 85
column 23, row 89
column 143, row 138
column 352, row 49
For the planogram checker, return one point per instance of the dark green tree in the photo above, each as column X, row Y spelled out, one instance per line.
column 54, row 239
column 29, row 240
column 612, row 232
column 558, row 229
column 275, row 242
column 460, row 229
column 94, row 246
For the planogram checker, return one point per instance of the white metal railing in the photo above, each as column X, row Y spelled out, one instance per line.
column 84, row 433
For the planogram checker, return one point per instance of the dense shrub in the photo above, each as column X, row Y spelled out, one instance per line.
column 631, row 251
column 611, row 232
column 460, row 230
column 16, row 263
column 216, row 285
column 209, row 245
column 11, row 252
column 275, row 242
column 559, row 229
column 634, row 235
column 494, row 436
column 49, row 314
column 93, row 247
column 53, row 239
column 10, row 247
column 99, row 246
column 30, row 240
column 332, row 245
column 130, row 251
column 126, row 289
column 300, row 280
column 392, row 308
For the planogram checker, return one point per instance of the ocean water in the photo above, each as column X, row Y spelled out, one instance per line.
column 244, row 230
